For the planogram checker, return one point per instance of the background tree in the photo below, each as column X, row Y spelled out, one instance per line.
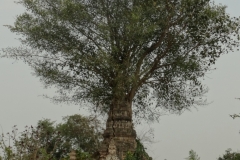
column 193, row 155
column 48, row 140
column 229, row 155
column 33, row 143
column 81, row 133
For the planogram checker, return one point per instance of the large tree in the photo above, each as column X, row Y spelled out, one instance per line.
column 143, row 55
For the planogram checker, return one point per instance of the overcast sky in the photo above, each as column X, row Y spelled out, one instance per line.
column 208, row 130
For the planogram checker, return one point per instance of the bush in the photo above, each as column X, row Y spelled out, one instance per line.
column 139, row 154
column 53, row 141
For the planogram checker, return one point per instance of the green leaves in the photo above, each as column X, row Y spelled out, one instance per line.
column 48, row 140
column 193, row 156
column 229, row 155
column 139, row 154
column 97, row 51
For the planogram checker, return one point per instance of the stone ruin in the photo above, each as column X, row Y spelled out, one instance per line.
column 112, row 151
column 72, row 155
column 119, row 135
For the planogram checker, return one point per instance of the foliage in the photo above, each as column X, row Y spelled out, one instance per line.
column 235, row 116
column 73, row 134
column 28, row 145
column 138, row 51
column 193, row 155
column 53, row 141
column 139, row 154
column 230, row 155
column 83, row 155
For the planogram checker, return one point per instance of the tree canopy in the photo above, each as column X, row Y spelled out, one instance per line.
column 48, row 140
column 151, row 53
column 192, row 156
column 229, row 155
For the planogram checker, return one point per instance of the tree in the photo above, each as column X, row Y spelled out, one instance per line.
column 81, row 133
column 193, row 156
column 235, row 115
column 123, row 56
column 230, row 155
column 48, row 140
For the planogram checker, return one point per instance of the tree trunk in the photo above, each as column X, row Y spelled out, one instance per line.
column 119, row 129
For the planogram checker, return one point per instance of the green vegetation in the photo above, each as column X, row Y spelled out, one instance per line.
column 132, row 52
column 229, row 155
column 193, row 155
column 53, row 141
column 139, row 154
column 144, row 55
column 48, row 140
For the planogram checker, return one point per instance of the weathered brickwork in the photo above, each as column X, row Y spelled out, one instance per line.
column 120, row 130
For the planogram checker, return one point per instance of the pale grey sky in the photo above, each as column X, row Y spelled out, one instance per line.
column 208, row 130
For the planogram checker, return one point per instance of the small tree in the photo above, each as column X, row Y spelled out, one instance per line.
column 31, row 144
column 193, row 155
column 48, row 140
column 80, row 133
column 229, row 155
